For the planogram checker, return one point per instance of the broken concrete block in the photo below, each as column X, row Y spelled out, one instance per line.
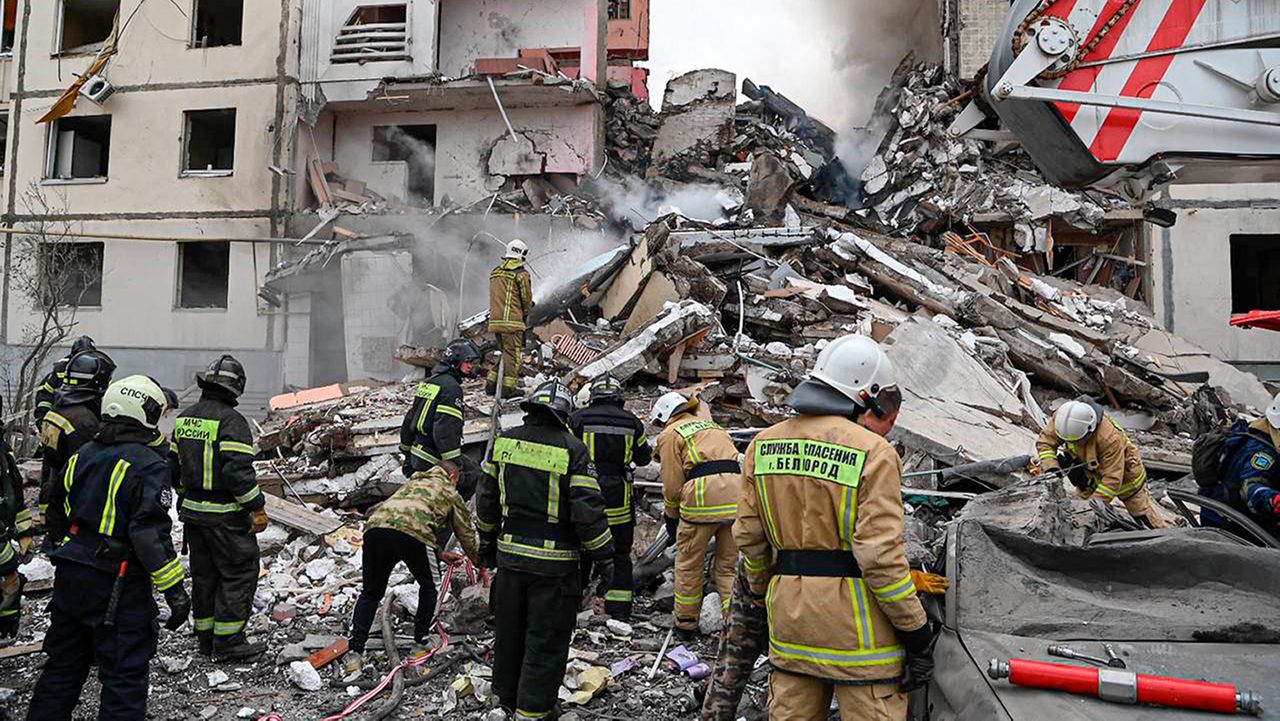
column 302, row 675
column 321, row 568
column 698, row 111
column 624, row 360
column 711, row 618
column 930, row 363
column 217, row 678
column 769, row 190
column 516, row 156
column 619, row 628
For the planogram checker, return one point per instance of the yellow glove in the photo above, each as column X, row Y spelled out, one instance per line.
column 1084, row 493
column 24, row 546
column 259, row 519
column 930, row 583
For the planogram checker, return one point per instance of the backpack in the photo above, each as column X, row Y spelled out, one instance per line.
column 1212, row 451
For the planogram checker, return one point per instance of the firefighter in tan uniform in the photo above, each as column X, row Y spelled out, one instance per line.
column 701, row 483
column 820, row 527
column 510, row 300
column 1111, row 466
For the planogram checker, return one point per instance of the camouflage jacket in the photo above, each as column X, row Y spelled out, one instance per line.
column 423, row 506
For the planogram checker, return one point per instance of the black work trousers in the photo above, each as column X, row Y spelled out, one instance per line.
column 78, row 639
column 535, row 617
column 383, row 549
column 622, row 524
column 224, row 578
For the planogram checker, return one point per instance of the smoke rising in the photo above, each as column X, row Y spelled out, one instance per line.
column 419, row 157
column 641, row 203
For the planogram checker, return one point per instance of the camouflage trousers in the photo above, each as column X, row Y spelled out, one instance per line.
column 745, row 638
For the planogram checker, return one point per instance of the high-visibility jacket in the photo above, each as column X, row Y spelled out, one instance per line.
column 616, row 440
column 701, row 476
column 432, row 429
column 539, row 505
column 15, row 517
column 820, row 527
column 115, row 495
column 510, row 297
column 215, row 451
column 1111, row 461
column 63, row 431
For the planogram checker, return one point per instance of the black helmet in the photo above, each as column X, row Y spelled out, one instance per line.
column 82, row 344
column 460, row 351
column 552, row 396
column 86, row 377
column 605, row 388
column 225, row 373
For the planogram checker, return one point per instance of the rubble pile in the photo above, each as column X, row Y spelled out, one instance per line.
column 921, row 179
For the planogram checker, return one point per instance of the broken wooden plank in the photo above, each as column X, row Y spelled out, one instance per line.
column 328, row 654
column 23, row 650
column 319, row 186
column 299, row 518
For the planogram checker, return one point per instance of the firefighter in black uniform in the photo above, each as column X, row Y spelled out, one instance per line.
column 15, row 538
column 538, row 510
column 53, row 380
column 115, row 492
column 71, row 423
column 221, row 507
column 616, row 441
column 431, row 434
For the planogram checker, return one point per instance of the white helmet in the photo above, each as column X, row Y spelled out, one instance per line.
column 1075, row 420
column 136, row 397
column 1273, row 413
column 856, row 366
column 669, row 405
column 517, row 250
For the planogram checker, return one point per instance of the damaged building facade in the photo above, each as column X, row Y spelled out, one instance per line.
column 1221, row 257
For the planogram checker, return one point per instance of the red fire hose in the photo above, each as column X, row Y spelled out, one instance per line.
column 1119, row 686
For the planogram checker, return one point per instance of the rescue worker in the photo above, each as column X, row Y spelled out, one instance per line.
column 539, row 510
column 1110, row 465
column 745, row 639
column 402, row 529
column 115, row 492
column 701, row 484
column 72, row 422
column 1251, row 474
column 15, row 538
column 820, row 527
column 431, row 434
column 616, row 441
column 52, row 381
column 221, row 507
column 510, row 300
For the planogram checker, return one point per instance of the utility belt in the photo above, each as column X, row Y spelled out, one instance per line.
column 713, row 468
column 830, row 564
column 104, row 548
column 542, row 530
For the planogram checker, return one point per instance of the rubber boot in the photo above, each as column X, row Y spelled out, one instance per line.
column 236, row 648
column 204, row 642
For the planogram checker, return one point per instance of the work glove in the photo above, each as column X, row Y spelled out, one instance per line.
column 602, row 571
column 258, row 520
column 673, row 524
column 25, row 544
column 11, row 604
column 1080, row 479
column 917, row 670
column 930, row 583
column 179, row 607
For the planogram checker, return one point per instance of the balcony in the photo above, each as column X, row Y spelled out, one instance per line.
column 373, row 34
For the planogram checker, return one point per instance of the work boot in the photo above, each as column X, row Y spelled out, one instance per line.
column 686, row 635
column 204, row 643
column 236, row 648
column 352, row 666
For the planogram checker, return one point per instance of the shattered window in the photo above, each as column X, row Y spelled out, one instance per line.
column 373, row 33
column 1255, row 265
column 209, row 142
column 217, row 23
column 73, row 272
column 86, row 24
column 414, row 145
column 619, row 9
column 204, row 272
column 10, row 26
column 79, row 147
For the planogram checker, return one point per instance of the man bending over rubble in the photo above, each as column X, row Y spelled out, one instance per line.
column 1110, row 465
column 402, row 529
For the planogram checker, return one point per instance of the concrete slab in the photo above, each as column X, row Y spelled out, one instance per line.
column 1175, row 354
column 930, row 363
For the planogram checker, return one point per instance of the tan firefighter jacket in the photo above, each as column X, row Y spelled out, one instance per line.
column 510, row 297
column 1111, row 460
column 701, row 478
column 820, row 527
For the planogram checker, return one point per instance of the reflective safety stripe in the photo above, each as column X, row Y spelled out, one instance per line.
column 485, row 527
column 618, row 516
column 68, row 478
column 584, row 482
column 757, row 565
column 1133, row 486
column 227, row 628
column 528, row 454
column 450, row 455
column 837, row 657
column 767, row 511
column 895, row 591
column 599, row 541
column 58, row 420
column 521, row 713
column 6, row 553
column 235, row 447
column 203, row 624
column 848, row 504
column 422, row 453
column 507, row 545
column 449, row 410
column 168, row 575
column 689, row 601
column 553, row 499
column 1048, row 455
column 427, row 392
column 108, row 522
column 706, row 511
column 620, row 596
column 10, row 612
column 249, row 495
column 204, row 507
column 862, row 613
column 670, row 505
